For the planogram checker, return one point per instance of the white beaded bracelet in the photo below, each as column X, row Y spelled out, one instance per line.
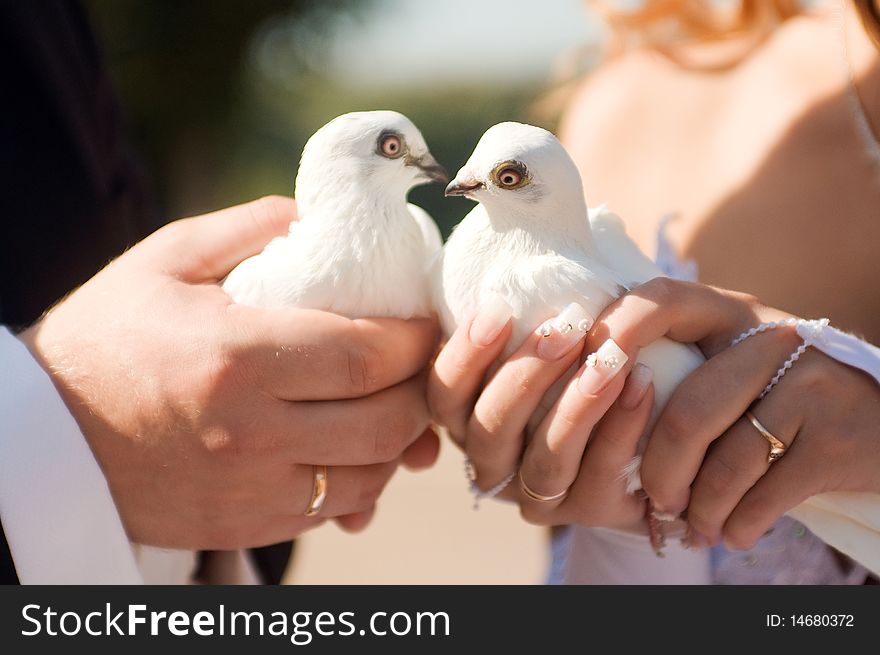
column 478, row 493
column 809, row 331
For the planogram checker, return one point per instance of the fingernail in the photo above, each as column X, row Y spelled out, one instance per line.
column 490, row 320
column 636, row 386
column 559, row 335
column 601, row 367
column 694, row 540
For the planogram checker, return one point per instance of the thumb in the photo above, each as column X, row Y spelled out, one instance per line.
column 207, row 247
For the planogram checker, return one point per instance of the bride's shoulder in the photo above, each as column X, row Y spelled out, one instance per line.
column 613, row 89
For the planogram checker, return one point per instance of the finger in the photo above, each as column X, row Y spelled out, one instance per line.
column 495, row 432
column 352, row 492
column 682, row 311
column 735, row 462
column 208, row 247
column 306, row 354
column 370, row 430
column 598, row 495
column 423, row 452
column 350, row 489
column 357, row 522
column 461, row 365
column 552, row 458
column 790, row 481
column 272, row 532
column 702, row 408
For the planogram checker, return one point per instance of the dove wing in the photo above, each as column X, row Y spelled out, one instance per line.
column 618, row 251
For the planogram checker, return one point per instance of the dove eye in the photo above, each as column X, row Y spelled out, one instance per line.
column 510, row 175
column 390, row 146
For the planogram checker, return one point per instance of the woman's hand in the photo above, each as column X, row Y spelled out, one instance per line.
column 599, row 412
column 704, row 455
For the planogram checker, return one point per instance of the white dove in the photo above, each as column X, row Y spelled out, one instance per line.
column 358, row 248
column 533, row 241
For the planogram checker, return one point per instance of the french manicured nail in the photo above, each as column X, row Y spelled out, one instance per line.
column 601, row 367
column 490, row 320
column 636, row 386
column 559, row 335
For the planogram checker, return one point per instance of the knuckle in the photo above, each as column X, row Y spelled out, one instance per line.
column 384, row 448
column 746, row 299
column 230, row 366
column 363, row 367
column 390, row 437
column 249, row 436
column 533, row 514
column 699, row 521
column 677, row 423
column 738, row 531
column 813, row 382
column 267, row 210
column 662, row 291
column 736, row 538
column 440, row 407
column 174, row 235
column 543, row 473
column 222, row 443
column 719, row 476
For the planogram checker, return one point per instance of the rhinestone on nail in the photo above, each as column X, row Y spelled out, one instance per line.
column 592, row 361
column 612, row 361
column 585, row 324
column 546, row 330
column 564, row 328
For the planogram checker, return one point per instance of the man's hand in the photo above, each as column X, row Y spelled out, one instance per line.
column 206, row 416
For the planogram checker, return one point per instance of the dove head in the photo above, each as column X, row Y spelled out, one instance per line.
column 523, row 177
column 380, row 153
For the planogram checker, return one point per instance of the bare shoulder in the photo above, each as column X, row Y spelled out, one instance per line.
column 611, row 93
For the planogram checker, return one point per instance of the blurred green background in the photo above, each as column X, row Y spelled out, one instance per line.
column 221, row 95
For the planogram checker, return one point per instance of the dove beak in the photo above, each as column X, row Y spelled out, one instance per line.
column 463, row 187
column 431, row 169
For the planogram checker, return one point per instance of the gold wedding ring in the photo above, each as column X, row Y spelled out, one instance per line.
column 777, row 448
column 534, row 495
column 319, row 489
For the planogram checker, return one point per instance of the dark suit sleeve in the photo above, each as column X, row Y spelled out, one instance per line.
column 73, row 194
column 7, row 567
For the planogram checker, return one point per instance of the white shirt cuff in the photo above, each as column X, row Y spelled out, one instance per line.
column 60, row 520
